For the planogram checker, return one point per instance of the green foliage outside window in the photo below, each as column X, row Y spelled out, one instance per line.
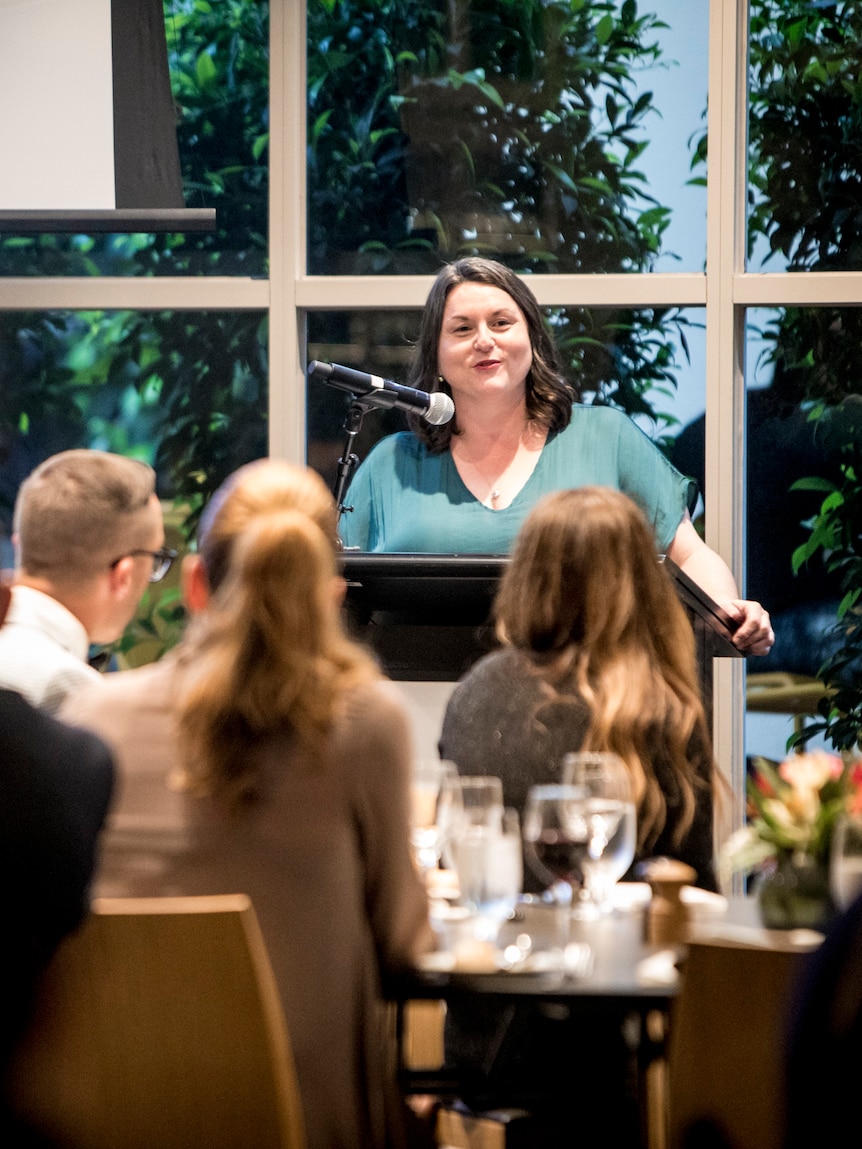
column 805, row 128
column 507, row 128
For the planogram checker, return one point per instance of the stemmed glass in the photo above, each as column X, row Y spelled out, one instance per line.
column 481, row 799
column 435, row 805
column 609, row 810
column 556, row 842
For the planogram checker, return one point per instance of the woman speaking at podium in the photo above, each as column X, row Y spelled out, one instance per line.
column 517, row 434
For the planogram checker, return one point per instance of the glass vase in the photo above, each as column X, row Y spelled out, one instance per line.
column 795, row 894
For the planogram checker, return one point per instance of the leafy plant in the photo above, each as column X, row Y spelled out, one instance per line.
column 507, row 128
column 156, row 628
column 837, row 533
column 806, row 190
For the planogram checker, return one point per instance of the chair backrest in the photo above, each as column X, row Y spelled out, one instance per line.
column 727, row 1045
column 159, row 1024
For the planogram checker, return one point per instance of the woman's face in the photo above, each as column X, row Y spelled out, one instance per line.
column 484, row 346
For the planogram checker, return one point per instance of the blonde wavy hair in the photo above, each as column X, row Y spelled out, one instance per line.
column 586, row 599
column 269, row 655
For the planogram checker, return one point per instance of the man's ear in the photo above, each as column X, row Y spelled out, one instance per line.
column 120, row 576
column 196, row 585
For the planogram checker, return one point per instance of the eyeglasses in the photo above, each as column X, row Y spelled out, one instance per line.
column 162, row 559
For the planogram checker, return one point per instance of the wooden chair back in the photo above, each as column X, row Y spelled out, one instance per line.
column 159, row 1024
column 727, row 1045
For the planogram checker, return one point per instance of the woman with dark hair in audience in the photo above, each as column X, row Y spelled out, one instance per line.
column 597, row 654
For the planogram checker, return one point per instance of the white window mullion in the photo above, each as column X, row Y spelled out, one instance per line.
column 287, row 101
column 725, row 346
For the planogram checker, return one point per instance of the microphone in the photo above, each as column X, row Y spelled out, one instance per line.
column 436, row 407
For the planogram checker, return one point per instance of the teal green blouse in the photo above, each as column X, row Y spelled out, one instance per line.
column 407, row 500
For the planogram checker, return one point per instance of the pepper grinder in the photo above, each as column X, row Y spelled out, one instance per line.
column 666, row 921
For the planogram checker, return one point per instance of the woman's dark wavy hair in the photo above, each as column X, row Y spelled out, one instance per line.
column 549, row 395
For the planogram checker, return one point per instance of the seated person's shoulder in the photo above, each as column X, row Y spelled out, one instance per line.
column 495, row 669
column 117, row 692
column 379, row 699
column 29, row 737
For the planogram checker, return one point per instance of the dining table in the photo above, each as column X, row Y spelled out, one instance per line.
column 606, row 967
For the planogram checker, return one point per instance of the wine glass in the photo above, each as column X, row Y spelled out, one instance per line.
column 488, row 860
column 556, row 842
column 610, row 811
column 481, row 799
column 435, row 802
column 845, row 860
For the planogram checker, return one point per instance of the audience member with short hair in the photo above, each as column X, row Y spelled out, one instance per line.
column 89, row 538
column 270, row 757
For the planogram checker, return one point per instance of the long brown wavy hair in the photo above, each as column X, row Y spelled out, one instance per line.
column 269, row 655
column 586, row 599
column 549, row 396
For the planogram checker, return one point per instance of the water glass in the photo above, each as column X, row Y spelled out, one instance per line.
column 435, row 804
column 481, row 799
column 487, row 856
column 609, row 810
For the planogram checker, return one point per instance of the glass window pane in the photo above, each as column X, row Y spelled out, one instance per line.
column 803, row 424
column 519, row 131
column 219, row 59
column 185, row 391
column 804, row 112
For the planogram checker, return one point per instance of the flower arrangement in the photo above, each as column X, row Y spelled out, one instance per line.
column 792, row 809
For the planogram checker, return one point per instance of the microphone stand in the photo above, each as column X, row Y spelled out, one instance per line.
column 349, row 460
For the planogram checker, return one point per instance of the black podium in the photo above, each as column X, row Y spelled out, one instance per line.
column 428, row 616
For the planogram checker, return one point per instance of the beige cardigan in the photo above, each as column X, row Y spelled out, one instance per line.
column 325, row 859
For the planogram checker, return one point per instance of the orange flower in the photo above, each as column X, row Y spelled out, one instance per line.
column 792, row 807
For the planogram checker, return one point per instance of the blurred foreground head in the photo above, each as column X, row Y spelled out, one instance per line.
column 269, row 654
